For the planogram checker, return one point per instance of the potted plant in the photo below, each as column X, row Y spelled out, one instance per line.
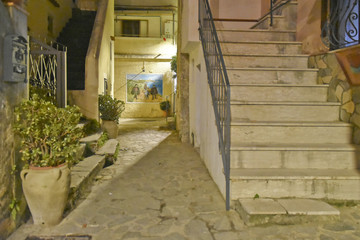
column 166, row 107
column 110, row 111
column 49, row 141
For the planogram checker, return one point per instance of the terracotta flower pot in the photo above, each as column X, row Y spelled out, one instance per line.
column 46, row 191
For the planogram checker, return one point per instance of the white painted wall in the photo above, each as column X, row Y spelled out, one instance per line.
column 202, row 118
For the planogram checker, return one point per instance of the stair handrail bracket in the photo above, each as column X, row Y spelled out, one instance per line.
column 219, row 86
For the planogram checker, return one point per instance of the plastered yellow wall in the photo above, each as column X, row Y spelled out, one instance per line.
column 309, row 26
column 105, row 51
column 126, row 66
column 39, row 10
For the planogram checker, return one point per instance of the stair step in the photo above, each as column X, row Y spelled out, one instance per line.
column 109, row 147
column 266, row 61
column 279, row 23
column 256, row 35
column 285, row 111
column 272, row 76
column 279, row 92
column 306, row 155
column 290, row 132
column 296, row 183
column 261, row 47
column 284, row 211
column 82, row 175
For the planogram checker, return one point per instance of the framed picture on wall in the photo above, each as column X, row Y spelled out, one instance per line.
column 349, row 60
column 144, row 88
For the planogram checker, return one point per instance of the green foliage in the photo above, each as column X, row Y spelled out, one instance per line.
column 256, row 196
column 102, row 140
column 165, row 106
column 91, row 126
column 49, row 135
column 110, row 108
column 173, row 64
column 14, row 208
column 43, row 93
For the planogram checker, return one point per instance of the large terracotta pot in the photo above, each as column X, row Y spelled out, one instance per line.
column 46, row 191
column 111, row 128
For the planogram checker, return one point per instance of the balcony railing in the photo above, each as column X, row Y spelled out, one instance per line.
column 340, row 23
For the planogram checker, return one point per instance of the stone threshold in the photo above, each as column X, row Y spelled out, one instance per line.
column 284, row 211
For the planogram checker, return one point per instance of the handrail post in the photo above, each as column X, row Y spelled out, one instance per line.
column 271, row 13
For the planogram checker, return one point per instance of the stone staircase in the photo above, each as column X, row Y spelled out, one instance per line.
column 76, row 36
column 286, row 138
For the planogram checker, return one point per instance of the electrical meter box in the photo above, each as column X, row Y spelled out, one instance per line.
column 168, row 29
column 15, row 58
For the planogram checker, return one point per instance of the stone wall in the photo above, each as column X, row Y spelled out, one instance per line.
column 340, row 90
column 10, row 95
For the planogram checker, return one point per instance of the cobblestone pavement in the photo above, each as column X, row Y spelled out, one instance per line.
column 160, row 189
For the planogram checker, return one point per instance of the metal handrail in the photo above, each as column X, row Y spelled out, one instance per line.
column 219, row 86
column 275, row 5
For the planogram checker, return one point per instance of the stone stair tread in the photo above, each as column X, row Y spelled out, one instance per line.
column 262, row 42
column 256, row 30
column 85, row 169
column 287, row 206
column 91, row 138
column 274, row 69
column 285, row 211
column 286, row 174
column 108, row 148
column 278, row 85
column 296, row 147
column 291, row 124
column 234, row 102
column 265, row 55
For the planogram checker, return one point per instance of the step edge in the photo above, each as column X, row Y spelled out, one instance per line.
column 325, row 104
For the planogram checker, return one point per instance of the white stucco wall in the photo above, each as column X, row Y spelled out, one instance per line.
column 203, row 131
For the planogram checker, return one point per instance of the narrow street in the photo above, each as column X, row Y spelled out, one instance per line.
column 160, row 189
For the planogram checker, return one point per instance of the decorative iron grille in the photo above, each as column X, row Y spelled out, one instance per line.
column 340, row 26
column 47, row 70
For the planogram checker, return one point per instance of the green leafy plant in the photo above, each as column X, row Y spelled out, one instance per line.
column 173, row 64
column 165, row 106
column 43, row 93
column 110, row 108
column 14, row 208
column 102, row 140
column 49, row 135
column 91, row 126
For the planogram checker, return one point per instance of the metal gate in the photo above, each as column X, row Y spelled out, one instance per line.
column 47, row 69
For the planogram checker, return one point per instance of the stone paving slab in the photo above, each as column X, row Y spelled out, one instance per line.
column 262, row 207
column 284, row 211
column 108, row 148
column 307, row 207
column 91, row 138
column 159, row 188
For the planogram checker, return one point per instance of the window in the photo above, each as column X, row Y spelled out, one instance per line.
column 131, row 28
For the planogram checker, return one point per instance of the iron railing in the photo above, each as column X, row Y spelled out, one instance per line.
column 340, row 26
column 219, row 86
column 275, row 5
